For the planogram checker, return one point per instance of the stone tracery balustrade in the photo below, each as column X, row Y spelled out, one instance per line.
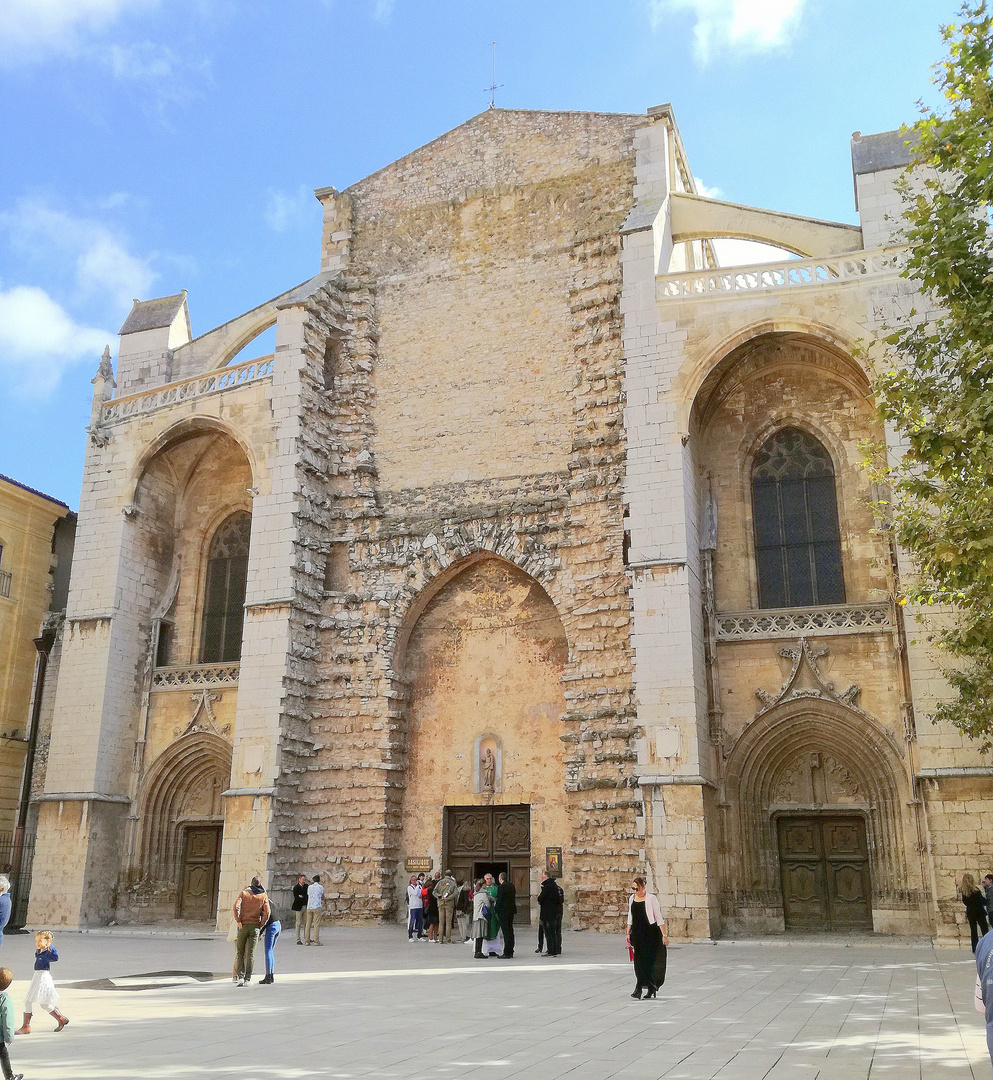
column 169, row 678
column 118, row 409
column 804, row 622
column 789, row 274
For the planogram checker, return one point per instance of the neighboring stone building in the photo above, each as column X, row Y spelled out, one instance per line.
column 538, row 530
column 36, row 533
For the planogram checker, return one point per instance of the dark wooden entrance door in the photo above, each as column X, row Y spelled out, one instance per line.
column 201, row 870
column 824, row 863
column 490, row 839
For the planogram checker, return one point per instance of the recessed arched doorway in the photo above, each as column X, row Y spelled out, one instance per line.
column 484, row 785
column 817, row 818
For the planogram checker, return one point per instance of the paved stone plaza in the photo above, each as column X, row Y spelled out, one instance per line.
column 367, row 1004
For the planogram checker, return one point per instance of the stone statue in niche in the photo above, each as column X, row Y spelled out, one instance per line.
column 488, row 769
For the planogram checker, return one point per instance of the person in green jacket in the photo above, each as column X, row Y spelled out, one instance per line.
column 6, row 1025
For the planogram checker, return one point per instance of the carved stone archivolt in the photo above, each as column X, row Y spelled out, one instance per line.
column 805, row 680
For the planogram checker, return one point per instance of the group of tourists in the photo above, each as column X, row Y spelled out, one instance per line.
column 494, row 907
column 432, row 905
column 482, row 911
column 308, row 909
column 978, row 905
column 979, row 911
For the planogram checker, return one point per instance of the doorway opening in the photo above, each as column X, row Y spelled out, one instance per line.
column 481, row 869
column 824, row 864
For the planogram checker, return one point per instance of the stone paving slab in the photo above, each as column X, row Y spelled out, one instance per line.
column 369, row 1005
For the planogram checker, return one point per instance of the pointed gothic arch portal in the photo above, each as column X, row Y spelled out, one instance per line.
column 182, row 821
column 816, row 797
column 482, row 668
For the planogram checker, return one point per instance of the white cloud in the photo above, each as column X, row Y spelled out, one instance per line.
column 740, row 25
column 286, row 210
column 39, row 340
column 141, row 61
column 707, row 191
column 43, row 26
column 382, row 10
column 103, row 268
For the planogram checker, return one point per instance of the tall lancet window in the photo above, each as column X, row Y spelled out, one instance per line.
column 224, row 596
column 795, row 511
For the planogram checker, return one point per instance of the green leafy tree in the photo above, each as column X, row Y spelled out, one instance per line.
column 939, row 397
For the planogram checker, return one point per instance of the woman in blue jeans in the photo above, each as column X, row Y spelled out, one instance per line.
column 270, row 932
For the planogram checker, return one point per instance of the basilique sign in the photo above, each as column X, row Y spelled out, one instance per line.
column 419, row 864
column 553, row 861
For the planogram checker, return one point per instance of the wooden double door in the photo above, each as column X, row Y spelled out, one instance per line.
column 201, row 872
column 824, row 863
column 481, row 840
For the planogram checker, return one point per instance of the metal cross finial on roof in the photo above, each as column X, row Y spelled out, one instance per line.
column 494, row 86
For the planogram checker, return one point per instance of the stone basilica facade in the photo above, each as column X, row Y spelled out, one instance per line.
column 538, row 530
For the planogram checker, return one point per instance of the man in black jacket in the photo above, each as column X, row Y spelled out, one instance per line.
column 551, row 901
column 506, row 909
column 299, row 905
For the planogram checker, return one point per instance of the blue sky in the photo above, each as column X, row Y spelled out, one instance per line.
column 154, row 145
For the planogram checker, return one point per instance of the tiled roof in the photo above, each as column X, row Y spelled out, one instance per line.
column 34, row 491
column 152, row 314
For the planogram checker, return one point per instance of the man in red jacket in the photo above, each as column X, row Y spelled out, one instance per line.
column 251, row 911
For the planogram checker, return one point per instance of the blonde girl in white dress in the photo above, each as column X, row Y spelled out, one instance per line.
column 42, row 990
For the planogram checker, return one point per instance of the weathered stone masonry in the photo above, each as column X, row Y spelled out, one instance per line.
column 499, row 477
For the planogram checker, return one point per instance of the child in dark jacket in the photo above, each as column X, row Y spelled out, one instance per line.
column 6, row 1025
column 42, row 988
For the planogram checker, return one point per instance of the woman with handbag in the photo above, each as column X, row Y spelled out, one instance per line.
column 647, row 938
column 480, row 928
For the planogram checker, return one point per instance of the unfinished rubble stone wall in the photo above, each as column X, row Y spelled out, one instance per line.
column 477, row 409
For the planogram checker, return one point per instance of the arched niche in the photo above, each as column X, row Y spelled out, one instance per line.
column 487, row 743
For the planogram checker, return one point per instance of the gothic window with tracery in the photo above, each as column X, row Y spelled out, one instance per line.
column 795, row 514
column 224, row 596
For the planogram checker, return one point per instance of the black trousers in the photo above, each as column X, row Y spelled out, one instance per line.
column 553, row 935
column 507, row 926
column 8, row 1072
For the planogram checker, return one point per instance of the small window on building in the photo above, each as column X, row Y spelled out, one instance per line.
column 332, row 359
column 163, row 647
column 224, row 599
column 336, row 567
column 795, row 514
